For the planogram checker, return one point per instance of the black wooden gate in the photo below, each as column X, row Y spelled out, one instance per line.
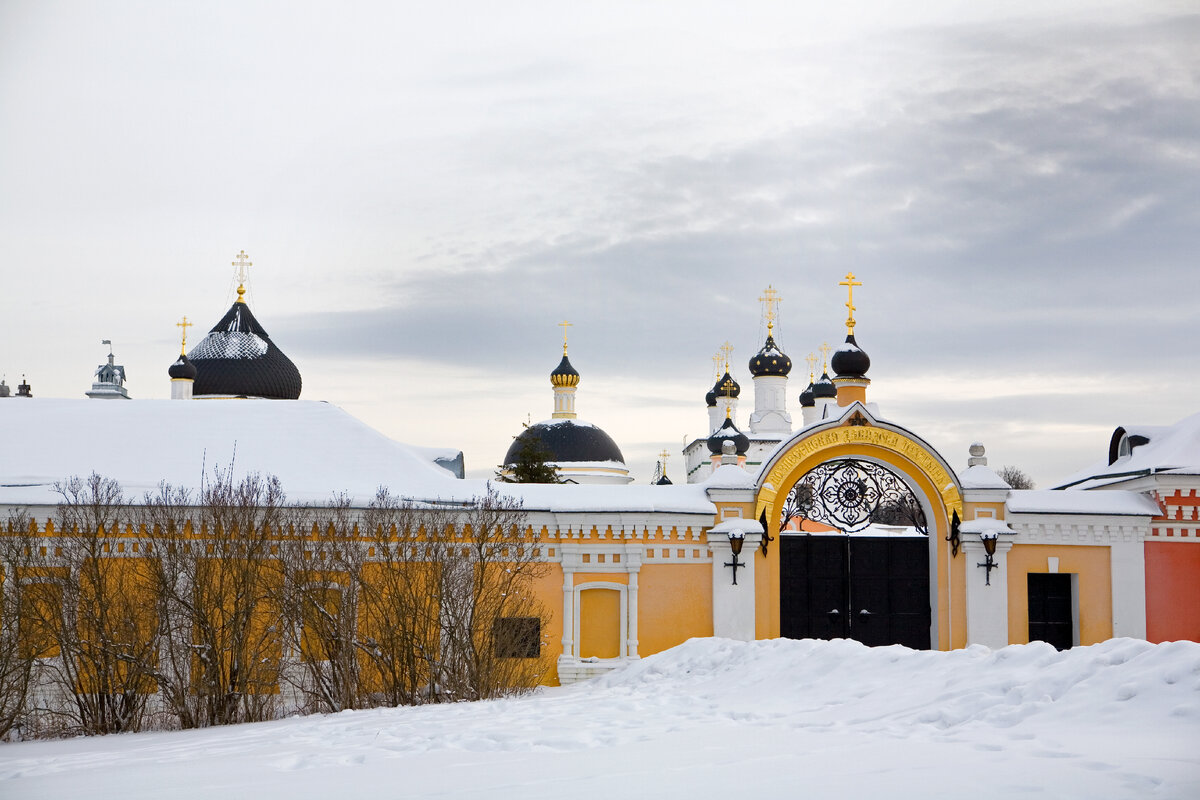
column 873, row 589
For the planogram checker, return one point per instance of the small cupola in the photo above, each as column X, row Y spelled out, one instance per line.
column 565, row 380
column 728, row 432
column 109, row 382
column 850, row 362
column 182, row 372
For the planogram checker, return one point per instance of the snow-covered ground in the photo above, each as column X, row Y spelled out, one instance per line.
column 709, row 719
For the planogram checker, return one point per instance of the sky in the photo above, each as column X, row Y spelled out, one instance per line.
column 427, row 192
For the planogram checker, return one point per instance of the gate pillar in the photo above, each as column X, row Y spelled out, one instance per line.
column 733, row 605
column 987, row 606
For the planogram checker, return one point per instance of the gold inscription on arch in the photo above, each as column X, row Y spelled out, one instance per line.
column 888, row 440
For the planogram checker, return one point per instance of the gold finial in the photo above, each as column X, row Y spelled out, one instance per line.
column 184, row 326
column 825, row 348
column 726, row 352
column 242, row 262
column 564, row 325
column 728, row 411
column 850, row 283
column 770, row 300
column 811, row 358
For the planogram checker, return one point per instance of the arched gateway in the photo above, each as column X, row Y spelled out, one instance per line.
column 860, row 511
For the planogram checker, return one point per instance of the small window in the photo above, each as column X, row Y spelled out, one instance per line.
column 518, row 637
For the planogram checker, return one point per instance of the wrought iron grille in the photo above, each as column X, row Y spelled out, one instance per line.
column 849, row 495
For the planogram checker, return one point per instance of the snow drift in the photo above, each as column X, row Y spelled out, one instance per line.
column 710, row 718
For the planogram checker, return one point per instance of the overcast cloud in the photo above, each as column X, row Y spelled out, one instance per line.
column 426, row 193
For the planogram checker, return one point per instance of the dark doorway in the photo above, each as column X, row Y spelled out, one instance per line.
column 1051, row 609
column 873, row 589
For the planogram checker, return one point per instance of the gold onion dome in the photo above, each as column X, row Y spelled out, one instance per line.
column 564, row 374
column 770, row 360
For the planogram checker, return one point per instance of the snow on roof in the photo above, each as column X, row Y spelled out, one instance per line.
column 1075, row 501
column 981, row 476
column 1170, row 448
column 314, row 448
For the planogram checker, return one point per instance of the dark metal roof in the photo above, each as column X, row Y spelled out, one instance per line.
column 770, row 360
column 237, row 358
column 567, row 441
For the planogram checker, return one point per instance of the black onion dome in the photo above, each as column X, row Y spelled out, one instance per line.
column 850, row 361
column 728, row 432
column 663, row 481
column 182, row 369
column 564, row 374
column 770, row 361
column 710, row 399
column 807, row 400
column 824, row 387
column 567, row 441
column 237, row 358
column 727, row 386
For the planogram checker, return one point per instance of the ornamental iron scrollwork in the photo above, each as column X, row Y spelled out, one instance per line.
column 849, row 495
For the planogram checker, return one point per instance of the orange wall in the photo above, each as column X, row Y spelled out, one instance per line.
column 674, row 605
column 1091, row 564
column 1172, row 591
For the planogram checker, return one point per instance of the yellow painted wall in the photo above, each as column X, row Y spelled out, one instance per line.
column 674, row 605
column 599, row 623
column 1093, row 566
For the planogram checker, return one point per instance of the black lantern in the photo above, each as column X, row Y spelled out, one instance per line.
column 737, row 538
column 989, row 547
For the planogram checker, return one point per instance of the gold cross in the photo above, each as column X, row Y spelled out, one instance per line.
column 770, row 300
column 716, row 365
column 850, row 283
column 663, row 456
column 825, row 348
column 184, row 326
column 727, row 351
column 811, row 358
column 564, row 325
column 242, row 262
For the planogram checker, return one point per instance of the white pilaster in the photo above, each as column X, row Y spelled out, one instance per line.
column 568, row 617
column 987, row 606
column 733, row 605
column 631, row 643
column 1128, row 564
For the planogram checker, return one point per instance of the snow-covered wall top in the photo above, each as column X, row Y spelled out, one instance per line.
column 1073, row 501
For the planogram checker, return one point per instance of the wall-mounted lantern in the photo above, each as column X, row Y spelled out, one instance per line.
column 989, row 548
column 736, row 538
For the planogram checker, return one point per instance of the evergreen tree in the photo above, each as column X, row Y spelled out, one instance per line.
column 531, row 464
